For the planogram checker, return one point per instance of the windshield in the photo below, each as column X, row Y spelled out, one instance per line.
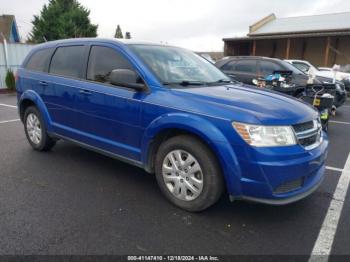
column 292, row 68
column 301, row 66
column 314, row 67
column 177, row 66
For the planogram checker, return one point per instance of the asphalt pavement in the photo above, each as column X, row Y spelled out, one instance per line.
column 78, row 202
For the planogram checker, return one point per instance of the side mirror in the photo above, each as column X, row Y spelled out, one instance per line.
column 127, row 78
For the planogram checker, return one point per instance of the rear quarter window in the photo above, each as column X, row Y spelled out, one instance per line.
column 40, row 60
column 67, row 61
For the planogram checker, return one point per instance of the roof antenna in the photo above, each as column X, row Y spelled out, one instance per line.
column 44, row 38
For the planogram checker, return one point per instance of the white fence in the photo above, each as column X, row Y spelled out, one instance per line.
column 15, row 56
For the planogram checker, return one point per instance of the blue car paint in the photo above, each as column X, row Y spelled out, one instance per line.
column 124, row 123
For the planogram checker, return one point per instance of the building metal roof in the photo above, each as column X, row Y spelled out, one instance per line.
column 8, row 28
column 288, row 35
column 303, row 24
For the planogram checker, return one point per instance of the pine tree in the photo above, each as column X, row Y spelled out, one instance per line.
column 127, row 35
column 62, row 19
column 118, row 32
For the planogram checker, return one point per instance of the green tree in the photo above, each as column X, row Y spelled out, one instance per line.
column 62, row 19
column 127, row 35
column 10, row 80
column 118, row 32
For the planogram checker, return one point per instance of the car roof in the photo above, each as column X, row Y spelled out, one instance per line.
column 296, row 60
column 96, row 39
column 231, row 58
column 252, row 57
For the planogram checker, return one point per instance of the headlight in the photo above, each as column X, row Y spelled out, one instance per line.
column 265, row 136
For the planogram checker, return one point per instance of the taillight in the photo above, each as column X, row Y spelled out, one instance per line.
column 16, row 76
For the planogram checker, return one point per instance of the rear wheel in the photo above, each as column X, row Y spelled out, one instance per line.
column 188, row 173
column 36, row 131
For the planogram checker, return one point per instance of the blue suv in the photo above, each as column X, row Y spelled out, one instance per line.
column 172, row 113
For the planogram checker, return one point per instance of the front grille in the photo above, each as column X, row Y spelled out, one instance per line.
column 308, row 133
column 289, row 186
column 303, row 126
column 308, row 141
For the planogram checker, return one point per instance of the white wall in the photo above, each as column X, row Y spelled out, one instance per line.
column 15, row 55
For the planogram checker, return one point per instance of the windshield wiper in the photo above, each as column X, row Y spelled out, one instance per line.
column 225, row 81
column 185, row 83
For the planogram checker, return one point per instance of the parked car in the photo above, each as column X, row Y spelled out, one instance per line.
column 171, row 112
column 324, row 72
column 208, row 57
column 247, row 68
column 327, row 69
column 340, row 91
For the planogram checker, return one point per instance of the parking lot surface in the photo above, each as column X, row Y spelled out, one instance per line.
column 74, row 201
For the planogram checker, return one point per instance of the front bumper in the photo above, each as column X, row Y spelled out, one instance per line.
column 280, row 176
column 340, row 98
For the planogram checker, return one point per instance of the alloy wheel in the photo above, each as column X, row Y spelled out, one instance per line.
column 182, row 175
column 34, row 128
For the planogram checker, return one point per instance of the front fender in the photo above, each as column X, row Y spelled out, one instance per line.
column 208, row 132
column 39, row 103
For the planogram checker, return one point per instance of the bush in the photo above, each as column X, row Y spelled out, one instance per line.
column 10, row 80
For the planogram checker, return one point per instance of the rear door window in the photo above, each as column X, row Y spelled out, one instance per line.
column 40, row 60
column 230, row 66
column 67, row 61
column 102, row 61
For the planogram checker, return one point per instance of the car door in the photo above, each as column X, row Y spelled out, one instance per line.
column 243, row 70
column 109, row 115
column 62, row 87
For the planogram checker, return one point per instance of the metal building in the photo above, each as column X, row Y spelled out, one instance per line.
column 12, row 52
column 324, row 40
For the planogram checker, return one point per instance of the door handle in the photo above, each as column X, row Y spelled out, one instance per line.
column 43, row 83
column 85, row 92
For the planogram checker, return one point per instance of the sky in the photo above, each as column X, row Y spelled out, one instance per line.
column 198, row 25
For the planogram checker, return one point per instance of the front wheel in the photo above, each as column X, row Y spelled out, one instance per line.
column 35, row 130
column 188, row 173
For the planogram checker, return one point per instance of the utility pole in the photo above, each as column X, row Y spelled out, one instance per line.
column 5, row 50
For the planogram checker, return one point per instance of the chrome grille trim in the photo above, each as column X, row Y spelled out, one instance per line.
column 314, row 133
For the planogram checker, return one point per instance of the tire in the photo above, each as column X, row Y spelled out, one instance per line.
column 202, row 188
column 325, row 126
column 299, row 95
column 33, row 122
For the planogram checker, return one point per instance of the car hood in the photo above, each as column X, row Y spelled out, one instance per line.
column 328, row 74
column 249, row 104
